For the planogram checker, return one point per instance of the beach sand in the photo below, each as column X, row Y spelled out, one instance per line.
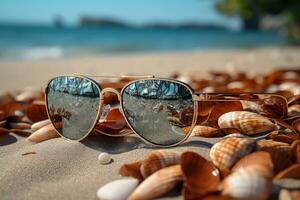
column 62, row 169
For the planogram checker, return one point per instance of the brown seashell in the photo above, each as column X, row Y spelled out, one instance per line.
column 294, row 110
column 157, row 160
column 246, row 183
column 200, row 175
column 296, row 125
column 19, row 125
column 3, row 131
column 158, row 184
column 2, row 123
column 22, row 132
column 290, row 172
column 225, row 153
column 259, row 160
column 40, row 124
column 204, row 131
column 295, row 150
column 45, row 133
column 279, row 151
column 247, row 122
column 289, row 195
column 251, row 106
column 36, row 111
column 286, row 138
column 132, row 169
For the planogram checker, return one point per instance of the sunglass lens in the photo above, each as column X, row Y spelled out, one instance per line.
column 160, row 111
column 73, row 104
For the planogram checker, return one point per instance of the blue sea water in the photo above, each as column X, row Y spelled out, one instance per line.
column 36, row 42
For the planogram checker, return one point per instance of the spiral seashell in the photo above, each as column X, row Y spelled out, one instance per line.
column 158, row 184
column 227, row 152
column 251, row 177
column 45, row 133
column 40, row 124
column 157, row 160
column 204, row 131
column 247, row 122
column 279, row 151
column 294, row 110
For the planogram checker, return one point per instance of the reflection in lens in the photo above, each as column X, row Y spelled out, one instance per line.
column 73, row 105
column 160, row 111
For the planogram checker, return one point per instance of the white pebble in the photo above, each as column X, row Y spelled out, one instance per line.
column 104, row 158
column 117, row 190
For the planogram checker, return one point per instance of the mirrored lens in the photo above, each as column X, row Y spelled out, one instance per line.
column 160, row 111
column 73, row 104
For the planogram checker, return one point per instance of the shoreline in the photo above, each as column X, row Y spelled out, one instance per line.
column 18, row 74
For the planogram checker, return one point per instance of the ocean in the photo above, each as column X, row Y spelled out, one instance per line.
column 38, row 42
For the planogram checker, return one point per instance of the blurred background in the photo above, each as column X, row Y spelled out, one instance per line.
column 40, row 29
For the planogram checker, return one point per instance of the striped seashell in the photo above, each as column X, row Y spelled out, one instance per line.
column 45, row 133
column 247, row 122
column 227, row 152
column 251, row 106
column 40, row 124
column 247, row 183
column 158, row 184
column 204, row 131
column 294, row 110
column 279, row 151
column 157, row 160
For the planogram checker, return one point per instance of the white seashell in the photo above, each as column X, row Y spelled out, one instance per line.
column 247, row 122
column 117, row 190
column 104, row 158
column 40, row 124
column 45, row 133
column 235, row 84
column 29, row 93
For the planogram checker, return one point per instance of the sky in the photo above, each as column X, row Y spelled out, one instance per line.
column 132, row 11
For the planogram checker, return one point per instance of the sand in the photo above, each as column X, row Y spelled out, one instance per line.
column 62, row 169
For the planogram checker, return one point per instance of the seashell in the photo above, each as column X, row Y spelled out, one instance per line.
column 287, row 183
column 235, row 85
column 195, row 170
column 2, row 123
column 157, row 160
column 104, row 158
column 204, row 131
column 260, row 161
column 290, row 172
column 225, row 153
column 36, row 111
column 19, row 125
column 294, row 110
column 45, row 133
column 28, row 95
column 246, row 183
column 295, row 150
column 289, row 195
column 290, row 86
column 279, row 151
column 247, row 122
column 236, row 135
column 118, row 189
column 296, row 125
column 132, row 169
column 40, row 124
column 158, row 184
column 3, row 131
column 251, row 106
column 22, row 132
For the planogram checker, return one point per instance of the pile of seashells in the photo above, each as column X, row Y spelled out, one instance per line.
column 259, row 156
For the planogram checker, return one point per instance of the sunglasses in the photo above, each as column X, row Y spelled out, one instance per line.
column 161, row 111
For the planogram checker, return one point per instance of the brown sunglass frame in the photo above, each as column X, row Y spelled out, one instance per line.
column 196, row 97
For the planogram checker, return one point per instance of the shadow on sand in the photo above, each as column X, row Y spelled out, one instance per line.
column 7, row 139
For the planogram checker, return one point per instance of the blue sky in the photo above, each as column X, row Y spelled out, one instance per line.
column 133, row 11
